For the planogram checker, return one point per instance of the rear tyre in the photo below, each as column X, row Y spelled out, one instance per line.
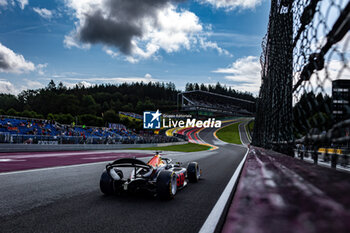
column 119, row 173
column 106, row 183
column 193, row 172
column 166, row 185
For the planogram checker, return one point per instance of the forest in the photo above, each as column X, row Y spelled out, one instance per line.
column 99, row 104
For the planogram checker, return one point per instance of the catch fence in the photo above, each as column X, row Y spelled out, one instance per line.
column 303, row 105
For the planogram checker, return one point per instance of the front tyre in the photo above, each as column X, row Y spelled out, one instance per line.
column 166, row 185
column 193, row 172
column 106, row 183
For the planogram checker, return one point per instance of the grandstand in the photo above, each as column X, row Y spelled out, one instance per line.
column 41, row 131
column 213, row 104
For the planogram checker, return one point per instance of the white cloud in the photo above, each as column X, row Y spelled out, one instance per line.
column 41, row 67
column 12, row 3
column 132, row 79
column 3, row 3
column 232, row 4
column 31, row 84
column 7, row 87
column 80, row 84
column 344, row 45
column 85, row 84
column 10, row 62
column 321, row 81
column 248, row 87
column 136, row 35
column 245, row 72
column 22, row 3
column 110, row 52
column 70, row 41
column 65, row 75
column 147, row 78
column 43, row 12
column 175, row 30
column 213, row 45
column 237, row 40
column 88, row 82
column 131, row 59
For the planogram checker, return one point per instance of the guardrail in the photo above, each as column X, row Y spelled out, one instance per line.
column 325, row 156
column 45, row 139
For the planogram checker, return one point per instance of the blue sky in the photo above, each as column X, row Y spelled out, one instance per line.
column 105, row 41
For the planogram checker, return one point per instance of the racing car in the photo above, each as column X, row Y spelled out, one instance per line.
column 160, row 176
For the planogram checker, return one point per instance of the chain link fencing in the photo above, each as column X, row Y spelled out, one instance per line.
column 303, row 106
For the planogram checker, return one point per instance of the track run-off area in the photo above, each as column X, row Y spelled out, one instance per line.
column 59, row 191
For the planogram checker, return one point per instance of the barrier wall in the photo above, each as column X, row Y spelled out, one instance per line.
column 277, row 193
column 77, row 147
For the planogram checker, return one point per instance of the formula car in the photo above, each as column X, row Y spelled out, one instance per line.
column 161, row 176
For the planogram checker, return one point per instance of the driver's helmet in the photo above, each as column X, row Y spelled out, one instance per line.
column 156, row 161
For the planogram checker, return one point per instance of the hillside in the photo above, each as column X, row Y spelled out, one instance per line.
column 99, row 104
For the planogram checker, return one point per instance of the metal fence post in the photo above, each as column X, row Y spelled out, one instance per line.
column 334, row 160
column 315, row 155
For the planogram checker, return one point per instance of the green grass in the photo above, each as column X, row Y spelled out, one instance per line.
column 189, row 147
column 229, row 134
column 251, row 126
column 129, row 117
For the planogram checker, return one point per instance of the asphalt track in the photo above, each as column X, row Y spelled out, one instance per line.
column 10, row 162
column 243, row 134
column 68, row 199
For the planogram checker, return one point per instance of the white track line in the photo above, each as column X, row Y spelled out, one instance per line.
column 247, row 131
column 210, row 224
column 220, row 142
column 239, row 131
column 51, row 168
column 212, row 221
column 58, row 167
column 45, row 155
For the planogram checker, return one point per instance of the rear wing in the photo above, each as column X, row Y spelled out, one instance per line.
column 128, row 162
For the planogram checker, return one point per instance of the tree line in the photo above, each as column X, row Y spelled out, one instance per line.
column 99, row 104
column 220, row 89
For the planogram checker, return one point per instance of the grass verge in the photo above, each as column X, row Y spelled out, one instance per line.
column 129, row 117
column 251, row 126
column 189, row 147
column 229, row 134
